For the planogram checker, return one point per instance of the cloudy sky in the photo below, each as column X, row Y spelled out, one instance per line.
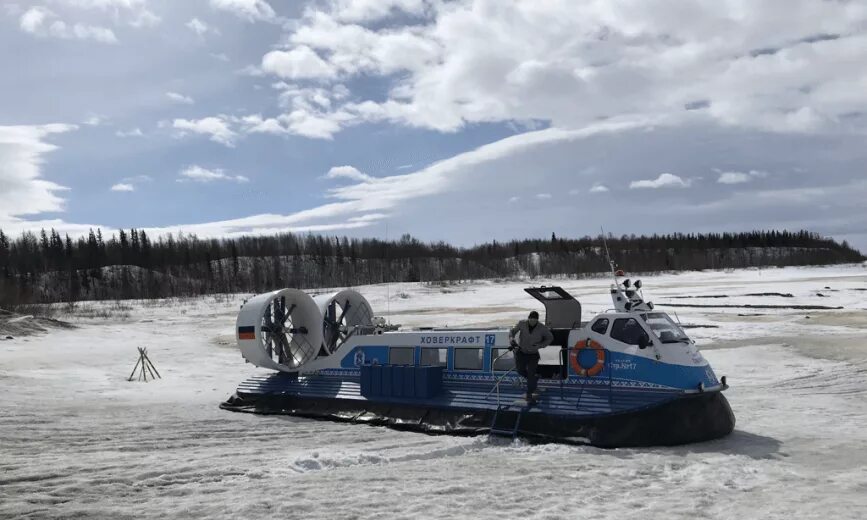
column 457, row 120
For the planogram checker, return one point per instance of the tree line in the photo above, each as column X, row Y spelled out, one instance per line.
column 49, row 267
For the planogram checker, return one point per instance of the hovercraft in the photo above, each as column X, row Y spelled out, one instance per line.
column 628, row 377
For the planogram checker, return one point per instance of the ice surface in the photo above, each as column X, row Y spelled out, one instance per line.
column 77, row 439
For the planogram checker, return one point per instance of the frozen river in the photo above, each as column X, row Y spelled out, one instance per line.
column 78, row 440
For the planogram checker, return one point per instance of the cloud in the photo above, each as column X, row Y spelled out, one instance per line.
column 347, row 172
column 373, row 10
column 200, row 28
column 250, row 10
column 105, row 4
column 370, row 199
column 306, row 113
column 12, row 10
column 514, row 199
column 198, row 174
column 34, row 19
column 297, row 122
column 93, row 120
column 134, row 132
column 22, row 190
column 370, row 217
column 598, row 188
column 498, row 171
column 135, row 12
column 733, row 178
column 130, row 183
column 311, row 124
column 40, row 21
column 216, row 127
column 226, row 129
column 299, row 63
column 665, row 180
column 138, row 179
column 543, row 196
column 180, row 98
column 255, row 124
column 739, row 177
column 652, row 60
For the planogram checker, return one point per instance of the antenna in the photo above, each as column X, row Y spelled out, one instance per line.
column 608, row 255
column 387, row 280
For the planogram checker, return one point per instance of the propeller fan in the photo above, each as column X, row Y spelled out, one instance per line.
column 342, row 314
column 336, row 330
column 281, row 338
column 280, row 329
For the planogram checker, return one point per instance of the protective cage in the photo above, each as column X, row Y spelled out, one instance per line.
column 281, row 330
column 343, row 313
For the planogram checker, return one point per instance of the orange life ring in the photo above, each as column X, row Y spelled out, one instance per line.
column 600, row 357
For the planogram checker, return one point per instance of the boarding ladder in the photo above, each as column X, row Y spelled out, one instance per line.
column 497, row 428
column 505, row 430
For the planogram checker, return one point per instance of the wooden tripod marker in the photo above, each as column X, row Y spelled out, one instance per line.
column 146, row 366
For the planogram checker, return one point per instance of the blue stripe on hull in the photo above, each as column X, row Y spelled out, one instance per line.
column 572, row 399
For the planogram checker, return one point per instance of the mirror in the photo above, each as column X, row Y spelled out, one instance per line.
column 626, row 283
column 638, row 284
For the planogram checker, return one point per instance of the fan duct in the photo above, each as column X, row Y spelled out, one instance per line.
column 281, row 330
column 343, row 313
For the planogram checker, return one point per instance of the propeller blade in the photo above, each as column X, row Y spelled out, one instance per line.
column 267, row 317
column 288, row 355
column 343, row 314
column 278, row 346
column 286, row 314
column 267, row 340
column 332, row 341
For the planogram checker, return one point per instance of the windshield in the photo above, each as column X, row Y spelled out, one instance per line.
column 666, row 330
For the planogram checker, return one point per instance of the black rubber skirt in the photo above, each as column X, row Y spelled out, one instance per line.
column 683, row 420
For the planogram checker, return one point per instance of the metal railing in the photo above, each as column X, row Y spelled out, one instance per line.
column 564, row 375
column 499, row 379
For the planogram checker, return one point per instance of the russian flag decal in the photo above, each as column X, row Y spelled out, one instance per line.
column 246, row 332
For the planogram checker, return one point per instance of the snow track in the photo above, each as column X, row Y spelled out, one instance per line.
column 77, row 440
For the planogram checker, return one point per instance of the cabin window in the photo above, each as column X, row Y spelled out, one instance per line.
column 434, row 357
column 600, row 326
column 506, row 362
column 666, row 330
column 629, row 331
column 468, row 358
column 401, row 356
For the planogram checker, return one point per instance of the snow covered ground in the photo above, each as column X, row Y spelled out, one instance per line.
column 78, row 440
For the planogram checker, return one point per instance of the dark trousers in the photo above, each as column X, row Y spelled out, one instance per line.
column 527, row 365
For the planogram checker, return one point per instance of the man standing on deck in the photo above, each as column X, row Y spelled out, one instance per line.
column 533, row 336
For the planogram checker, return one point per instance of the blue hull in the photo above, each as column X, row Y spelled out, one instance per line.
column 595, row 412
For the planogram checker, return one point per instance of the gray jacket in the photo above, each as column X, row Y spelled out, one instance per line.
column 530, row 342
